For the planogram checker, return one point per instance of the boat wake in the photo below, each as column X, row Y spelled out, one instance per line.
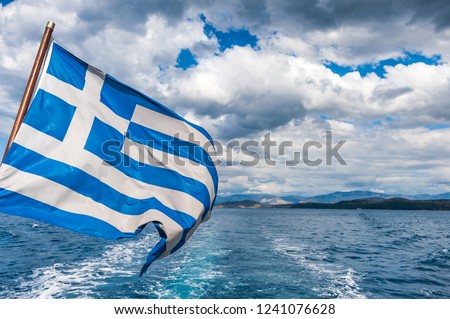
column 327, row 280
column 80, row 279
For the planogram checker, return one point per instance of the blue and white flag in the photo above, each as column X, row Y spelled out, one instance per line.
column 98, row 157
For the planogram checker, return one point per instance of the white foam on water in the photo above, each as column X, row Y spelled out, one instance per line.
column 186, row 275
column 78, row 280
column 189, row 276
column 331, row 280
column 345, row 285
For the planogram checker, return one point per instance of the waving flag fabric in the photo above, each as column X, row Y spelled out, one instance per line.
column 96, row 156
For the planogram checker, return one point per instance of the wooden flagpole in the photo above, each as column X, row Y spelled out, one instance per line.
column 23, row 108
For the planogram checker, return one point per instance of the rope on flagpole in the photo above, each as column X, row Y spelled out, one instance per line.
column 29, row 89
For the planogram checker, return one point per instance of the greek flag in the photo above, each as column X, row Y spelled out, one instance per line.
column 98, row 157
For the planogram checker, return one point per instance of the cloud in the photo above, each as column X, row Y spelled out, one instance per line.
column 396, row 126
column 394, row 160
column 249, row 90
column 324, row 14
column 246, row 91
column 138, row 59
column 436, row 11
column 383, row 93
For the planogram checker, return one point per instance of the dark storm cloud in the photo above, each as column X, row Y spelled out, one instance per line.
column 383, row 94
column 249, row 121
column 246, row 115
column 437, row 11
column 254, row 11
column 293, row 14
column 317, row 14
column 131, row 14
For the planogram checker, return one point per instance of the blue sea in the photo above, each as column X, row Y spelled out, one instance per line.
column 239, row 253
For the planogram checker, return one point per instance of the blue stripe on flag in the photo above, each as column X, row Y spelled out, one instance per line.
column 17, row 204
column 172, row 145
column 120, row 98
column 50, row 115
column 157, row 251
column 67, row 67
column 101, row 134
column 160, row 248
column 31, row 162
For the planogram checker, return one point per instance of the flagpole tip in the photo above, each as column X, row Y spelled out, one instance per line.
column 51, row 25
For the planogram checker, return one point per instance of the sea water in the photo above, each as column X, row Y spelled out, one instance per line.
column 239, row 253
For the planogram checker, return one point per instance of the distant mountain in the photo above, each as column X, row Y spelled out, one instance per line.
column 265, row 199
column 240, row 204
column 381, row 203
column 341, row 196
column 293, row 198
column 430, row 197
column 396, row 203
column 335, row 197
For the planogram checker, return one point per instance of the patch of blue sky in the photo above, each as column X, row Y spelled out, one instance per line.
column 5, row 2
column 186, row 59
column 438, row 126
column 383, row 121
column 377, row 123
column 3, row 142
column 379, row 68
column 232, row 37
column 324, row 117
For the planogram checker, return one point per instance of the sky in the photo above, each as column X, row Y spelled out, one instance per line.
column 373, row 73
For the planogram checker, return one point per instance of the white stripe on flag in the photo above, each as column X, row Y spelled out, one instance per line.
column 94, row 166
column 32, row 186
